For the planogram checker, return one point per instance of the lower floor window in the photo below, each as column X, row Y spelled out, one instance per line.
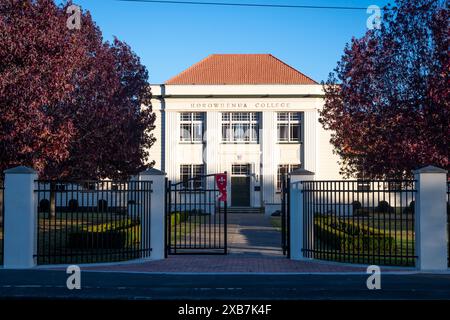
column 284, row 169
column 192, row 175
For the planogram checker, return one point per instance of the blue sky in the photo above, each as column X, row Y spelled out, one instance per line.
column 171, row 37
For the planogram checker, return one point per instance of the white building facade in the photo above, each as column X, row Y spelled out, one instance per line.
column 251, row 116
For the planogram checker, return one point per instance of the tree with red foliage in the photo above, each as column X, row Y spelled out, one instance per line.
column 70, row 104
column 387, row 101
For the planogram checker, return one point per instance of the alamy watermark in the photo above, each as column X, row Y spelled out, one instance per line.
column 374, row 20
column 374, row 280
column 74, row 20
column 74, row 280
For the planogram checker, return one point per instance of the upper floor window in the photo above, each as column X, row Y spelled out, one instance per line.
column 288, row 127
column 191, row 126
column 240, row 127
column 192, row 175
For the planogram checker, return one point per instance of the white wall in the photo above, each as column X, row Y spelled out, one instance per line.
column 315, row 154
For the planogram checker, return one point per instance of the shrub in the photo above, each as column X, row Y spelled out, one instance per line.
column 362, row 212
column 328, row 235
column 102, row 205
column 276, row 213
column 370, row 243
column 44, row 205
column 356, row 205
column 342, row 235
column 178, row 217
column 384, row 207
column 73, row 204
column 111, row 235
column 410, row 209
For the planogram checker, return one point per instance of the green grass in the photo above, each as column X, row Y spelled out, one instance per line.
column 180, row 232
column 374, row 239
column 276, row 223
column 54, row 234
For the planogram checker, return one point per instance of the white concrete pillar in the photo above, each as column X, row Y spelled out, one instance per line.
column 20, row 220
column 296, row 211
column 431, row 218
column 157, row 211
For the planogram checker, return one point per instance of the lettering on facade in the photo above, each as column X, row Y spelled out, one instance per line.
column 230, row 105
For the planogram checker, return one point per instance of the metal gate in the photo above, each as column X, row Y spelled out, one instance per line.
column 285, row 216
column 196, row 221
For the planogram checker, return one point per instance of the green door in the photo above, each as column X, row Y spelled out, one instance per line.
column 240, row 191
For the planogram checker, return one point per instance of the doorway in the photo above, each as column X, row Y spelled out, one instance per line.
column 240, row 185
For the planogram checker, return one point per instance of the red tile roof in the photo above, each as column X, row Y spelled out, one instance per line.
column 219, row 69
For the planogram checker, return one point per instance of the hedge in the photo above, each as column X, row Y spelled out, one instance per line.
column 112, row 235
column 351, row 236
column 178, row 217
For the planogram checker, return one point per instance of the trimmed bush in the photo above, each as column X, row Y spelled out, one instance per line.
column 362, row 212
column 102, row 205
column 344, row 235
column 111, row 235
column 178, row 217
column 384, row 207
column 73, row 204
column 44, row 205
column 356, row 205
column 410, row 209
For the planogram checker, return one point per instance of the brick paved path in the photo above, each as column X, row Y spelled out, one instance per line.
column 229, row 263
column 254, row 246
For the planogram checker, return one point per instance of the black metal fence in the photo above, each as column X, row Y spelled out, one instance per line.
column 196, row 219
column 285, row 216
column 368, row 222
column 2, row 217
column 93, row 221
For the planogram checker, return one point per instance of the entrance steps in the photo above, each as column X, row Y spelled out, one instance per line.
column 244, row 210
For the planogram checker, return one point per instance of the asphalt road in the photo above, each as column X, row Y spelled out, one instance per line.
column 42, row 284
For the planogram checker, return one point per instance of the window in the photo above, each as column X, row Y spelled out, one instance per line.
column 240, row 127
column 191, row 127
column 288, row 127
column 192, row 175
column 240, row 169
column 284, row 169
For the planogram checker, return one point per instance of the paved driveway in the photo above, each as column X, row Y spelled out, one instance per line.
column 253, row 235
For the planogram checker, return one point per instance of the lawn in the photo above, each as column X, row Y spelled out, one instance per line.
column 197, row 231
column 276, row 223
column 385, row 239
column 55, row 234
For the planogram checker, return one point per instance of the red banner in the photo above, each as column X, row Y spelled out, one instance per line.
column 221, row 182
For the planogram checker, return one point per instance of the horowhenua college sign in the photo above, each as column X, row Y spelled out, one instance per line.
column 240, row 105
